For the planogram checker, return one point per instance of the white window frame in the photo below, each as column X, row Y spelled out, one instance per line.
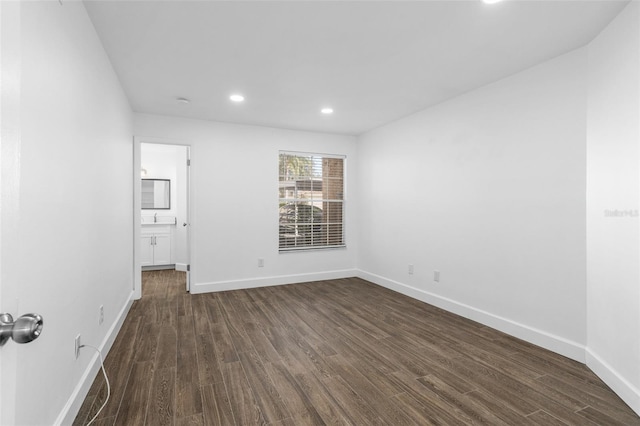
column 282, row 201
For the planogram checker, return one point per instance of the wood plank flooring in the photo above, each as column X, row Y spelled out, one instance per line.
column 333, row 352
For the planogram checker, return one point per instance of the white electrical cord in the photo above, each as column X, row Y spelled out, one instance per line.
column 105, row 378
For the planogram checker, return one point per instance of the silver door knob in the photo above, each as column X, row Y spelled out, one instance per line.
column 25, row 329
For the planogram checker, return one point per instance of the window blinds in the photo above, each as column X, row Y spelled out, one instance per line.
column 311, row 201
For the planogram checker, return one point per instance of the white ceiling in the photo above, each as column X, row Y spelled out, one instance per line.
column 372, row 61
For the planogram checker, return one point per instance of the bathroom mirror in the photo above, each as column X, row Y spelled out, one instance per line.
column 156, row 194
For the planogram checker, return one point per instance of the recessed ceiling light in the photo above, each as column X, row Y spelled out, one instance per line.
column 236, row 98
column 491, row 1
column 327, row 110
column 182, row 100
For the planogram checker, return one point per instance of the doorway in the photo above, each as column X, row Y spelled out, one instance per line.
column 162, row 197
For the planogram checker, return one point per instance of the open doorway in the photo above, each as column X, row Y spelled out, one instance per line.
column 162, row 207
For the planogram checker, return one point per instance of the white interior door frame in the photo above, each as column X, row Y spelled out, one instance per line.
column 137, row 211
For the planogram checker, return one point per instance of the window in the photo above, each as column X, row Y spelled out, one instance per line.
column 311, row 201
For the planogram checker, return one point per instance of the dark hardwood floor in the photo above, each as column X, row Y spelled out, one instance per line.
column 333, row 352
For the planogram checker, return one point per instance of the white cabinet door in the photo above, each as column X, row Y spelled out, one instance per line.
column 146, row 250
column 162, row 249
column 155, row 246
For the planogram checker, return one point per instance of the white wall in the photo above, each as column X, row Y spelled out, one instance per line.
column 488, row 189
column 613, row 293
column 234, row 218
column 69, row 249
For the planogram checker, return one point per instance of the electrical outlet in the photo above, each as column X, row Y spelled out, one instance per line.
column 436, row 276
column 101, row 320
column 260, row 263
column 77, row 345
column 410, row 269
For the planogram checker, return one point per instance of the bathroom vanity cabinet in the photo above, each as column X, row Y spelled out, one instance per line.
column 155, row 247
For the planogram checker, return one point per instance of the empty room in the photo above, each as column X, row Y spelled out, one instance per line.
column 320, row 212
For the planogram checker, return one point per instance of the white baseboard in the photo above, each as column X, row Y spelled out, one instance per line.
column 541, row 338
column 625, row 390
column 270, row 281
column 72, row 407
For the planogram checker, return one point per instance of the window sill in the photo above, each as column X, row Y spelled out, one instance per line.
column 307, row 249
